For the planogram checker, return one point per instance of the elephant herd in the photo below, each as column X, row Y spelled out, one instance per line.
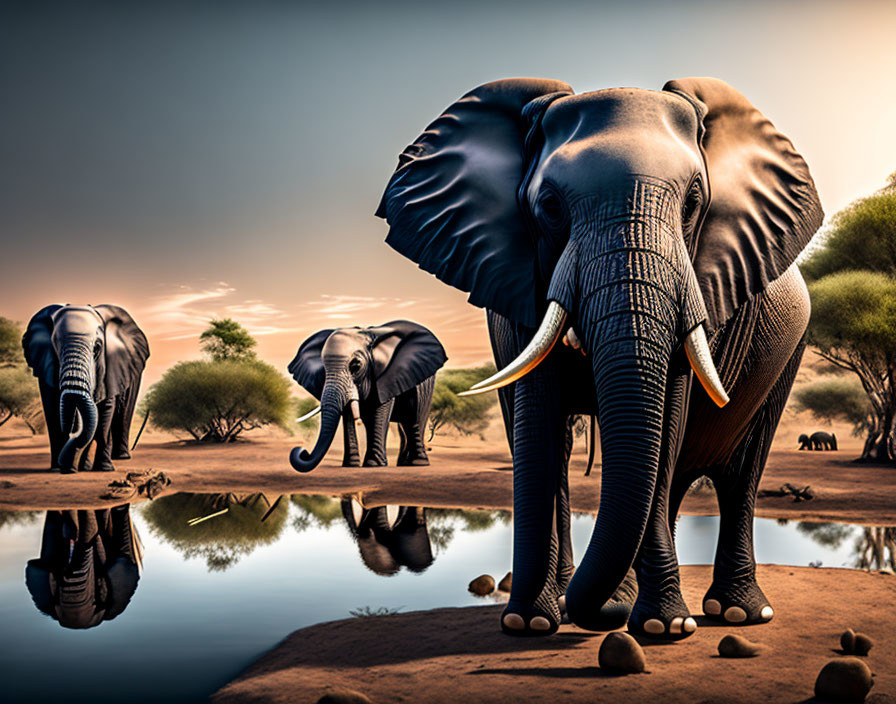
column 654, row 233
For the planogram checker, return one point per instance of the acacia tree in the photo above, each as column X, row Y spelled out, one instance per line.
column 226, row 339
column 466, row 414
column 853, row 288
column 19, row 396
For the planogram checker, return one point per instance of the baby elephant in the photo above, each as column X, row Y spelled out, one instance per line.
column 818, row 441
column 376, row 375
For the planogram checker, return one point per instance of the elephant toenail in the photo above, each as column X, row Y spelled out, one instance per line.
column 654, row 626
column 675, row 626
column 711, row 607
column 767, row 613
column 540, row 623
column 735, row 614
column 689, row 625
column 514, row 622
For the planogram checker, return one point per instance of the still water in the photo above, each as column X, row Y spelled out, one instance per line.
column 193, row 587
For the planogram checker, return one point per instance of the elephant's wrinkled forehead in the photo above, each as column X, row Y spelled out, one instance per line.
column 79, row 320
column 344, row 342
column 619, row 132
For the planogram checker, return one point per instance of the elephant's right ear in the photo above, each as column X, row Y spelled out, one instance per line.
column 307, row 367
column 37, row 342
column 452, row 202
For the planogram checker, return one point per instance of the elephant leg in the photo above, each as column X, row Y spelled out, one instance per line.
column 540, row 450
column 563, row 522
column 121, row 424
column 49, row 398
column 376, row 421
column 412, row 424
column 102, row 460
column 659, row 610
column 734, row 596
column 351, row 456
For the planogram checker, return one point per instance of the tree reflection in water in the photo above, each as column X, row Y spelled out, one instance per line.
column 875, row 546
column 219, row 528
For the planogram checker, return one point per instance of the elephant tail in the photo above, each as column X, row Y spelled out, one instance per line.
column 833, row 441
column 591, row 445
column 140, row 432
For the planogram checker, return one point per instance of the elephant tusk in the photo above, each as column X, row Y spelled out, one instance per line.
column 309, row 414
column 546, row 337
column 356, row 410
column 697, row 350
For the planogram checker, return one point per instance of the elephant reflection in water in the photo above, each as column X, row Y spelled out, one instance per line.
column 389, row 537
column 89, row 566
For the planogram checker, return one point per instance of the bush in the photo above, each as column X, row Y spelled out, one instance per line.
column 467, row 414
column 10, row 342
column 227, row 340
column 836, row 398
column 217, row 401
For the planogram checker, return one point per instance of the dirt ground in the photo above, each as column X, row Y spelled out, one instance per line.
column 464, row 472
column 453, row 655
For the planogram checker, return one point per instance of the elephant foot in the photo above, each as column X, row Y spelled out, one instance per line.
column 664, row 618
column 68, row 470
column 104, row 466
column 368, row 462
column 739, row 603
column 414, row 462
column 352, row 462
column 540, row 619
column 121, row 455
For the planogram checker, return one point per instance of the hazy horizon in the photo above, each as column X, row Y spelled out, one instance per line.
column 200, row 159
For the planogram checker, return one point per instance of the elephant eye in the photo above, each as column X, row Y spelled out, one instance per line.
column 691, row 207
column 354, row 366
column 551, row 211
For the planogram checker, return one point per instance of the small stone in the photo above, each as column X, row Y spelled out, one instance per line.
column 505, row 584
column 862, row 644
column 341, row 695
column 620, row 654
column 483, row 585
column 844, row 680
column 732, row 646
column 847, row 640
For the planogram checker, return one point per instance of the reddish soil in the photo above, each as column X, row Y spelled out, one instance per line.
column 452, row 655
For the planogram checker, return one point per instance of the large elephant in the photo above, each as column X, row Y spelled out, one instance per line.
column 655, row 233
column 89, row 566
column 374, row 375
column 389, row 537
column 88, row 361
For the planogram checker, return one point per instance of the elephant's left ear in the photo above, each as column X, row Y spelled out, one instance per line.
column 126, row 349
column 37, row 343
column 764, row 208
column 307, row 367
column 404, row 354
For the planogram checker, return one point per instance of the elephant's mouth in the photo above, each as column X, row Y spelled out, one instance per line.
column 553, row 327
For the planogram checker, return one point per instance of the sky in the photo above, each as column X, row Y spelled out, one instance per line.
column 196, row 159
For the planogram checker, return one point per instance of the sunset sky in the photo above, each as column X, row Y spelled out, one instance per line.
column 197, row 159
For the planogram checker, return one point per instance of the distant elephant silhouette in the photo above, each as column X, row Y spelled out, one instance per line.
column 89, row 566
column 818, row 441
column 389, row 537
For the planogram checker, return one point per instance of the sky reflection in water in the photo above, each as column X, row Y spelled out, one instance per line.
column 215, row 594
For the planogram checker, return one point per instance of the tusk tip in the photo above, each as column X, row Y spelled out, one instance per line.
column 473, row 391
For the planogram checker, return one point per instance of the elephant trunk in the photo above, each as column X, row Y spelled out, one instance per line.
column 76, row 385
column 336, row 394
column 633, row 294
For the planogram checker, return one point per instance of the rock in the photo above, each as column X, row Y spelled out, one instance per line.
column 620, row 654
column 341, row 695
column 732, row 646
column 847, row 640
column 862, row 644
column 505, row 584
column 484, row 584
column 844, row 680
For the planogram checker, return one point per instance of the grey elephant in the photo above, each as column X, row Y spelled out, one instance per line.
column 89, row 566
column 88, row 361
column 818, row 440
column 375, row 375
column 654, row 233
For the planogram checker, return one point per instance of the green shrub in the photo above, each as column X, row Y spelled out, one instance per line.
column 217, row 401
column 466, row 414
